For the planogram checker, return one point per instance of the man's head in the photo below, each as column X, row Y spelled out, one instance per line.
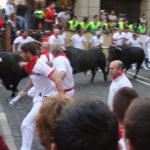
column 28, row 51
column 115, row 68
column 86, row 125
column 51, row 109
column 56, row 32
column 24, row 34
column 45, row 46
column 137, row 124
column 122, row 100
column 56, row 47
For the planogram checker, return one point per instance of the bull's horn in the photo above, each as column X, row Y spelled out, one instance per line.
column 1, row 59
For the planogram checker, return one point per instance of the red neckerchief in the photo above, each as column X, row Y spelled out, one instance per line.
column 59, row 54
column 30, row 65
column 46, row 53
column 121, row 133
column 120, row 74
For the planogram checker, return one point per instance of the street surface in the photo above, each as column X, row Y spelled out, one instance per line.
column 98, row 89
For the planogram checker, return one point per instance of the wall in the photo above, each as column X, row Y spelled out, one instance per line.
column 87, row 8
column 145, row 8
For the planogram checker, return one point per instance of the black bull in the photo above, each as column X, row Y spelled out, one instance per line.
column 10, row 72
column 84, row 60
column 128, row 55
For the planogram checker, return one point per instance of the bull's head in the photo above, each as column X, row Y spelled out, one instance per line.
column 115, row 52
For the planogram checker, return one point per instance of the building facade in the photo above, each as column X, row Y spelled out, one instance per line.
column 133, row 8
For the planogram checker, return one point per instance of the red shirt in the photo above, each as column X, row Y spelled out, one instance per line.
column 50, row 15
column 1, row 23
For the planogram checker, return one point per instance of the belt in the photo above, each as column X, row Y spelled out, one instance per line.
column 67, row 90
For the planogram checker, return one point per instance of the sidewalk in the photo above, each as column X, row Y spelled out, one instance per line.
column 5, row 130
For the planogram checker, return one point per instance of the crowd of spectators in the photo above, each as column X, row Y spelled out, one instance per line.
column 45, row 17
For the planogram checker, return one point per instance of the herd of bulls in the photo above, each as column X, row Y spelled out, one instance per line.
column 11, row 74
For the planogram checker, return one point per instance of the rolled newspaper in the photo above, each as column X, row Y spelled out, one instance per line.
column 14, row 100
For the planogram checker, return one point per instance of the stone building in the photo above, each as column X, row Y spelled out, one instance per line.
column 133, row 8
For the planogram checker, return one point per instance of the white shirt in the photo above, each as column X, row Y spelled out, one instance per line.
column 129, row 35
column 95, row 41
column 119, row 38
column 61, row 63
column 135, row 42
column 20, row 41
column 121, row 81
column 54, row 38
column 147, row 41
column 43, row 86
column 78, row 41
column 9, row 9
column 46, row 58
column 63, row 38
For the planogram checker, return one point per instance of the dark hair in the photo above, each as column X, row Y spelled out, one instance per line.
column 137, row 123
column 29, row 47
column 122, row 100
column 87, row 125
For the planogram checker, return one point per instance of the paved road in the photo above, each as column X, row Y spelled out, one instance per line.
column 13, row 116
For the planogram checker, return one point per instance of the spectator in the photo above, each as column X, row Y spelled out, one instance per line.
column 121, row 102
column 22, row 39
column 112, row 17
column 147, row 43
column 12, row 22
column 87, row 125
column 63, row 18
column 97, row 40
column 79, row 40
column 137, row 124
column 39, row 17
column 73, row 24
column 135, row 41
column 119, row 37
column 10, row 8
column 119, row 80
column 46, row 119
column 143, row 19
column 50, row 16
column 94, row 25
column 84, row 24
column 21, row 15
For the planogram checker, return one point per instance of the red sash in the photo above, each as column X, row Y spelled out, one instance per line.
column 30, row 65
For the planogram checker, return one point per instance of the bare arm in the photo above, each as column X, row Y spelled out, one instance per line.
column 62, row 75
column 26, row 88
column 56, row 78
column 14, row 47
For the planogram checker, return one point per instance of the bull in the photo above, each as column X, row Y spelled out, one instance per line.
column 128, row 55
column 10, row 72
column 84, row 60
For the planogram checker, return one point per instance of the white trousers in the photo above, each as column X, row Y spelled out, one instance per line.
column 28, row 126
